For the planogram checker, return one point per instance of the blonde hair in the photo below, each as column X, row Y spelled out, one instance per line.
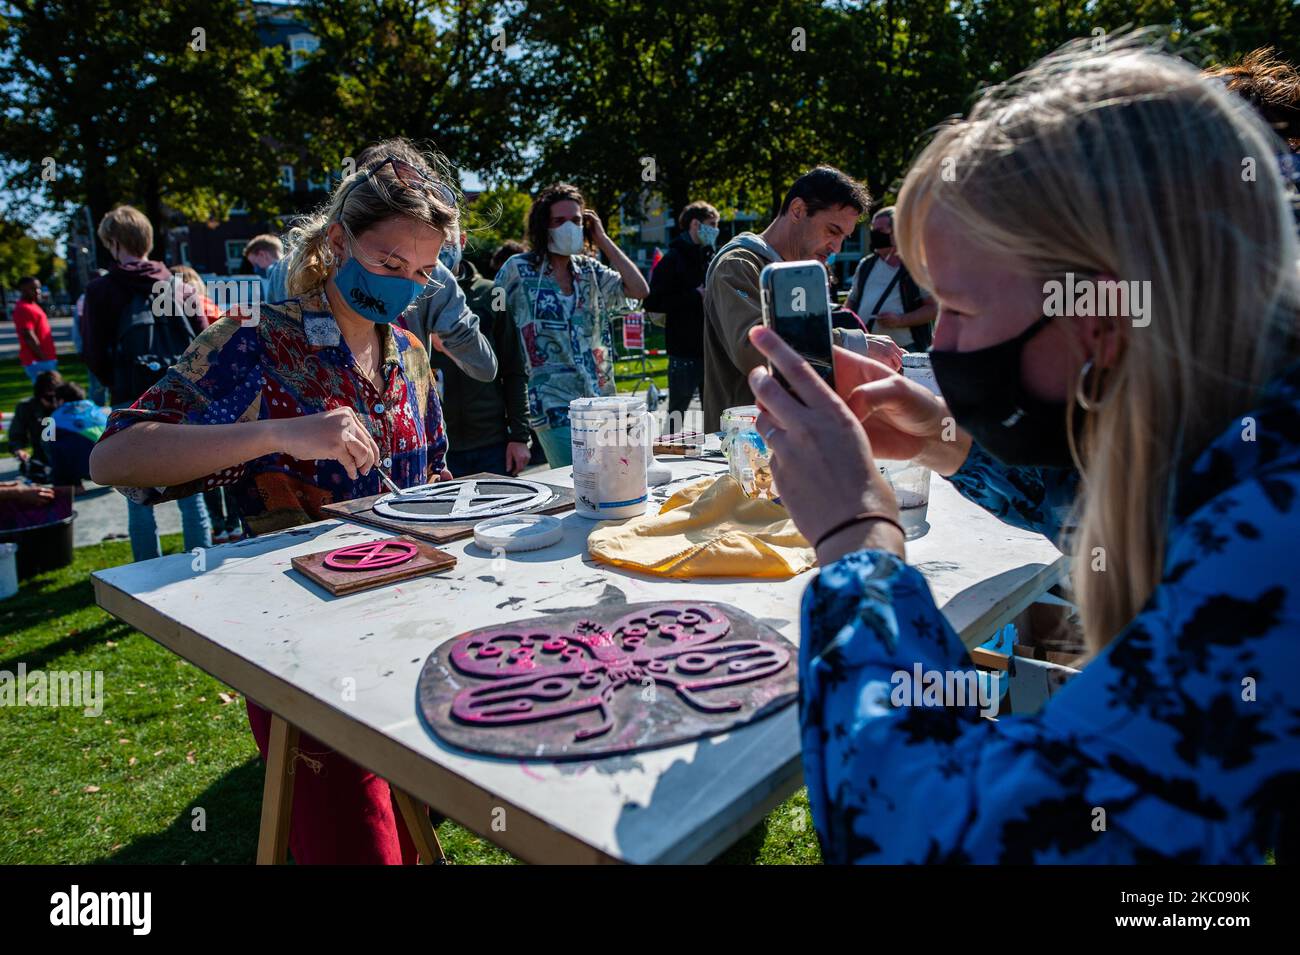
column 188, row 275
column 127, row 227
column 1128, row 163
column 373, row 194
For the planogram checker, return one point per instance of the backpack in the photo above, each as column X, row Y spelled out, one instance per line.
column 147, row 344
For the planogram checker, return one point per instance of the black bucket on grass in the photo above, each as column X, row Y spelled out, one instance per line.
column 41, row 547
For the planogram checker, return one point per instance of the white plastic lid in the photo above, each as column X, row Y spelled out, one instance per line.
column 607, row 404
column 735, row 418
column 517, row 532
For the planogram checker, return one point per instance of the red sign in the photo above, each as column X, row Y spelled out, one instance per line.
column 634, row 331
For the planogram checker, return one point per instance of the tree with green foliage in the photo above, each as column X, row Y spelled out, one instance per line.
column 495, row 216
column 730, row 101
column 434, row 71
column 22, row 254
column 168, row 103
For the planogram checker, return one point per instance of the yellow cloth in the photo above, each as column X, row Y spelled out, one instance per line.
column 709, row 529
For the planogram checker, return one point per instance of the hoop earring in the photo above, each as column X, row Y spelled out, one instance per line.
column 1085, row 403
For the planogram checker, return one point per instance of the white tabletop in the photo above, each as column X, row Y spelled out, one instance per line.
column 344, row 669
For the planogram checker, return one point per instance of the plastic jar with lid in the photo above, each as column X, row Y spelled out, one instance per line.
column 612, row 438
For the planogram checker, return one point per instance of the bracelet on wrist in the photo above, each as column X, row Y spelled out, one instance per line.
column 856, row 519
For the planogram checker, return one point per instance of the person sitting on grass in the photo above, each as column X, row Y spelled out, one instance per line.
column 77, row 425
column 301, row 409
column 27, row 424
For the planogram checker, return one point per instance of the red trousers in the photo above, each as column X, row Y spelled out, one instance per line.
column 342, row 814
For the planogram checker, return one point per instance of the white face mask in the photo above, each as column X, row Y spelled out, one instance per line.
column 566, row 239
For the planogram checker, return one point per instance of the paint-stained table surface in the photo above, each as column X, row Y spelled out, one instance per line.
column 344, row 669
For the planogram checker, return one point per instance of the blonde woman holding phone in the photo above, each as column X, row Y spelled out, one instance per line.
column 1160, row 447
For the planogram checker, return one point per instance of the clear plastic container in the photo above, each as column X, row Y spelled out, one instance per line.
column 916, row 366
column 748, row 456
column 911, row 484
column 734, row 419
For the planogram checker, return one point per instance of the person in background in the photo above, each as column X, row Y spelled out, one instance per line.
column 677, row 290
column 487, row 421
column 131, row 285
column 302, row 409
column 192, row 297
column 78, row 424
column 35, row 340
column 264, row 253
column 1157, row 442
column 1271, row 85
column 563, row 304
column 96, row 392
column 894, row 303
column 28, row 423
column 820, row 210
column 506, row 249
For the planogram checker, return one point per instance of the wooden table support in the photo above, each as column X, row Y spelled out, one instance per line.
column 277, row 793
column 416, row 817
column 277, row 804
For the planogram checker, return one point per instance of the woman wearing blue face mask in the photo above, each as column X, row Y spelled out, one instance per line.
column 563, row 303
column 296, row 406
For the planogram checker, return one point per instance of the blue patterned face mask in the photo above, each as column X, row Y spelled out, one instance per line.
column 380, row 298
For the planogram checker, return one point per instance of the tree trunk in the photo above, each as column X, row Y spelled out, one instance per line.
column 153, row 210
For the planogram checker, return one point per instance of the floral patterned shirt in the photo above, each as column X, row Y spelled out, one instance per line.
column 1179, row 742
column 290, row 363
column 569, row 351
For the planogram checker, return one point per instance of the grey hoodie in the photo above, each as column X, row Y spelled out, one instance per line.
column 447, row 314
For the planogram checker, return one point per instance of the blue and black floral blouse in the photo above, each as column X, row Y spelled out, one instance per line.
column 1179, row 742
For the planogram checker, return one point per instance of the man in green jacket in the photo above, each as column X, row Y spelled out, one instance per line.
column 486, row 421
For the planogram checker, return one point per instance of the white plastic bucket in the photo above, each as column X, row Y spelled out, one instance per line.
column 612, row 438
column 8, row 570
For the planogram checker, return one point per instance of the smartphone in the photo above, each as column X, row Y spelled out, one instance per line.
column 797, row 306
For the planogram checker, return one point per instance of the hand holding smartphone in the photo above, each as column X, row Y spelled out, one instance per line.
column 797, row 306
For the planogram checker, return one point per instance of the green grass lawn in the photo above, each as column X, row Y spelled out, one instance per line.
column 15, row 385
column 125, row 786
column 628, row 374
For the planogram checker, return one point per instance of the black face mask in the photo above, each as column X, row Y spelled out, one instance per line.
column 881, row 240
column 986, row 397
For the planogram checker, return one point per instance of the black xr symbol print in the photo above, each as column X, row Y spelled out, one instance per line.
column 368, row 302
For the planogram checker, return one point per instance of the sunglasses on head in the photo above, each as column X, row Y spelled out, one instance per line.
column 409, row 176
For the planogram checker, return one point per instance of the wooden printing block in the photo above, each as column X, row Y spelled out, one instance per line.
column 357, row 567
